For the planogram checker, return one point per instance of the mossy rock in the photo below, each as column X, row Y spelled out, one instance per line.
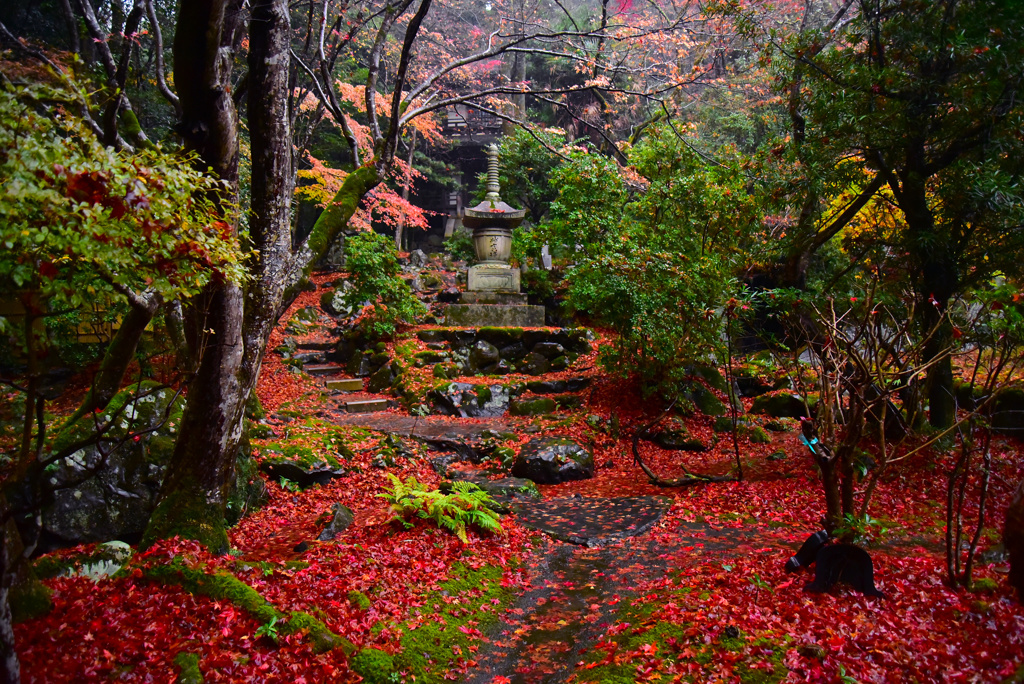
column 426, row 358
column 709, row 374
column 531, row 407
column 705, row 401
column 560, row 363
column 755, row 434
column 374, row 666
column 446, row 371
column 500, row 337
column 569, row 402
column 29, row 598
column 781, row 405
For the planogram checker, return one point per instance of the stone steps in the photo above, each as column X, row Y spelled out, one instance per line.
column 316, row 346
column 344, row 385
column 365, row 405
column 322, row 369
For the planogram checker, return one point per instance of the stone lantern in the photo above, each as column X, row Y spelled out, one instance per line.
column 492, row 222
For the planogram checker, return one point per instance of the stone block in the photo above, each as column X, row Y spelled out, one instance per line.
column 491, row 277
column 510, row 298
column 366, row 405
column 494, row 315
column 323, row 369
column 345, row 385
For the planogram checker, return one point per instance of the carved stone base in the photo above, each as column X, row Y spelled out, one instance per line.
column 493, row 277
column 494, row 315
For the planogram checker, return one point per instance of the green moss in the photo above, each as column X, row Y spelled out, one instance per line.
column 185, row 514
column 219, row 586
column 29, row 598
column 223, row 586
column 359, row 600
column 253, row 408
column 374, row 666
column 188, row 669
column 984, row 585
column 319, row 636
column 428, row 651
column 531, row 407
column 766, row 655
column 483, row 394
column 446, row 371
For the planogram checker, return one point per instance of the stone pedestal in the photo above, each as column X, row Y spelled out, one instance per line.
column 495, row 315
column 492, row 278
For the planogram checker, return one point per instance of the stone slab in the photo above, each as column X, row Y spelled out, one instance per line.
column 506, row 298
column 493, row 277
column 592, row 521
column 316, row 346
column 323, row 369
column 366, row 405
column 494, row 315
column 345, row 385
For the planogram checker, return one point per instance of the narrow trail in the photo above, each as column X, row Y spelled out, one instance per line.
column 576, row 588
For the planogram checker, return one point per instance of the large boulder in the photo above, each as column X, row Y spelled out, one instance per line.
column 551, row 460
column 108, row 490
column 483, row 355
column 534, row 364
column 470, row 401
column 780, row 405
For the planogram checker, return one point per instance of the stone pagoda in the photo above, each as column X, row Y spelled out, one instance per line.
column 493, row 296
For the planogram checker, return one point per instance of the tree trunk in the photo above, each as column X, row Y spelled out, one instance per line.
column 1013, row 540
column 10, row 668
column 936, row 282
column 273, row 179
column 119, row 354
column 193, row 497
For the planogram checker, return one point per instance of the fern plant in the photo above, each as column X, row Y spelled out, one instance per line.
column 466, row 505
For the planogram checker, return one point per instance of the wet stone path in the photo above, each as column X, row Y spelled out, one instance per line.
column 577, row 588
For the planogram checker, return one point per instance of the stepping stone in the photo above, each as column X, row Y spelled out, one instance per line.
column 345, row 385
column 316, row 346
column 592, row 521
column 366, row 405
column 323, row 369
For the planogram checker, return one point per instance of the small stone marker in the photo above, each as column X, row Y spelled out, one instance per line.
column 345, row 385
column 366, row 405
column 323, row 369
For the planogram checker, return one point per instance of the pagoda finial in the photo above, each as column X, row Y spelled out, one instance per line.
column 492, row 174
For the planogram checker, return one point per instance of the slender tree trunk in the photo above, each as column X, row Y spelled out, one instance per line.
column 400, row 236
column 10, row 668
column 937, row 281
column 119, row 354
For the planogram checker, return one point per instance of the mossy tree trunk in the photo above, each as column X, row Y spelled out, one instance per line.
column 120, row 353
column 194, row 492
